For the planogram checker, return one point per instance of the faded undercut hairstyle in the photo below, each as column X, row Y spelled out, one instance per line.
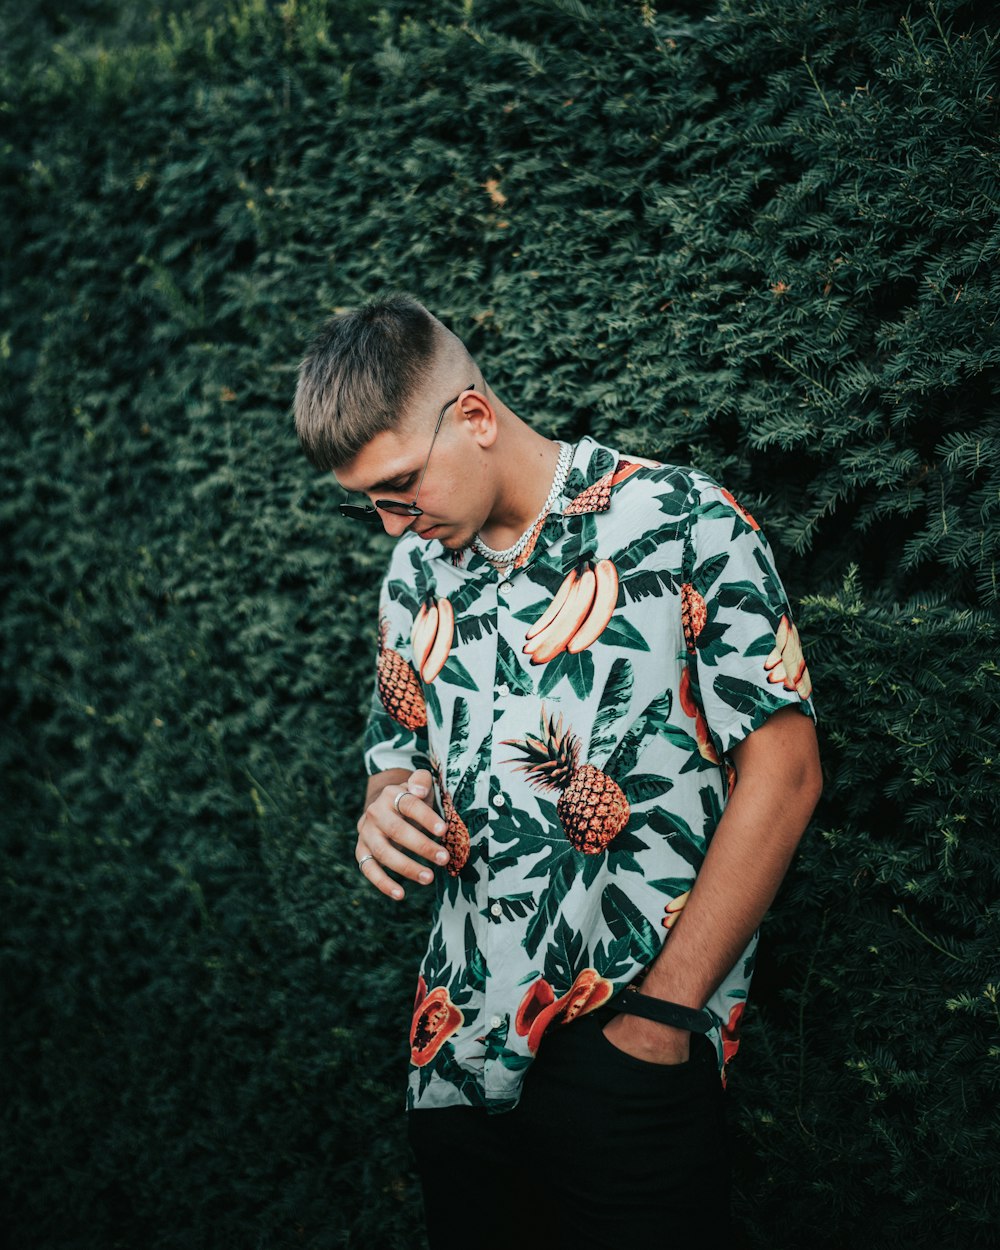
column 359, row 373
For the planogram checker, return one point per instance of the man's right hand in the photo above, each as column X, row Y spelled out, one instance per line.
column 395, row 818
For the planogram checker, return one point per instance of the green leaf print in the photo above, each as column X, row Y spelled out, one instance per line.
column 546, row 867
column 464, row 792
column 672, row 887
column 530, row 614
column 653, row 720
column 620, row 633
column 680, row 835
column 772, row 589
column 512, row 907
column 651, row 583
column 708, row 572
column 562, row 957
column 640, row 787
column 578, row 668
column 745, row 697
column 626, row 921
column 472, row 628
column 638, row 552
column 614, row 702
column 711, row 647
column 616, row 961
column 433, row 705
column 711, row 806
column 742, row 595
column 549, row 903
column 582, row 540
column 459, row 736
column 476, row 973
column 405, row 595
column 449, row 1069
column 511, row 671
column 457, row 674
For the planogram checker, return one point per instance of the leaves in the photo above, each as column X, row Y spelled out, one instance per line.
column 628, row 924
column 615, row 698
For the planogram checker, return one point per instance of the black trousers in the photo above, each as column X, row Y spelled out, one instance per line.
column 603, row 1152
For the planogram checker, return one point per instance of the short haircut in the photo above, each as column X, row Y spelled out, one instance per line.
column 359, row 373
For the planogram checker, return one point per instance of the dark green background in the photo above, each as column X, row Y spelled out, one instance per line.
column 760, row 238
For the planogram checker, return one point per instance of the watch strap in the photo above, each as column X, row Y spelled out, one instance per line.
column 693, row 1019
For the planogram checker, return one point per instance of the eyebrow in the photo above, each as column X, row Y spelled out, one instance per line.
column 387, row 482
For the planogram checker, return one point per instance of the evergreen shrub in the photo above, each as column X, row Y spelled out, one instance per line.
column 758, row 238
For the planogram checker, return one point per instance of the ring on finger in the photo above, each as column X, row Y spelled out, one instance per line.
column 396, row 801
column 364, row 860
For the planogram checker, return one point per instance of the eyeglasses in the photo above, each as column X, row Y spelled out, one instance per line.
column 366, row 512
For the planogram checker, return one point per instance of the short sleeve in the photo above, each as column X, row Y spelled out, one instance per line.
column 745, row 656
column 396, row 731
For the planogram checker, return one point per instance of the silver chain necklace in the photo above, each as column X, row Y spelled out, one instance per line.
column 509, row 554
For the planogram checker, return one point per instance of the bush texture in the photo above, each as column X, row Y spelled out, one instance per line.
column 757, row 238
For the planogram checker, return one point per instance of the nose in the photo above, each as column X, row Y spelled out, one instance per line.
column 395, row 524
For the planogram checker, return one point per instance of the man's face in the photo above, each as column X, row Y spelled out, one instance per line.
column 390, row 467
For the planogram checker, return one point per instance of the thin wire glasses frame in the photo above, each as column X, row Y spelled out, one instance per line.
column 368, row 512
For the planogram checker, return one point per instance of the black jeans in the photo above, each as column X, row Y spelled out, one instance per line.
column 603, row 1152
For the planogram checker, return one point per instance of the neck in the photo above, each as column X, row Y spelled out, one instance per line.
column 523, row 484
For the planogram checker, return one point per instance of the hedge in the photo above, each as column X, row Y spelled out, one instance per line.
column 757, row 238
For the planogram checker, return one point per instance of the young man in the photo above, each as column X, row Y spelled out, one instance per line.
column 579, row 653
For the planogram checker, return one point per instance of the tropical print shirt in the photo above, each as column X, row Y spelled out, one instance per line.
column 576, row 715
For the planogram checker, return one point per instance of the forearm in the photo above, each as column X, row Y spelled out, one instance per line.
column 746, row 861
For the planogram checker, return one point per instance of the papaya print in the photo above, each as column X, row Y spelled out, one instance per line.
column 578, row 614
column 435, row 1020
column 398, row 687
column 731, row 1036
column 592, row 807
column 431, row 637
column 577, row 717
column 540, row 1010
column 742, row 511
column 687, row 701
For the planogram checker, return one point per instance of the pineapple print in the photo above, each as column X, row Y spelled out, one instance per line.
column 597, row 495
column 398, row 686
column 456, row 836
column 693, row 615
column 592, row 807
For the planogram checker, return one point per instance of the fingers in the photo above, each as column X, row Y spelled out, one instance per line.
column 393, row 822
column 420, row 782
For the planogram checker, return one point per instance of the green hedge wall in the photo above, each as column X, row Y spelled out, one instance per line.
column 761, row 238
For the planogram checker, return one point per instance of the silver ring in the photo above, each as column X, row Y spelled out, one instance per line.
column 364, row 860
column 396, row 801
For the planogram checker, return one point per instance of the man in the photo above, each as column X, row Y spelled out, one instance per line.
column 579, row 652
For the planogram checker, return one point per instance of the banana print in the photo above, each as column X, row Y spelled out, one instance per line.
column 786, row 663
column 431, row 637
column 578, row 614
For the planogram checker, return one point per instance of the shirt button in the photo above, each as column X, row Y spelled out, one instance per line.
column 504, row 587
column 496, row 1022
column 503, row 690
column 498, row 800
column 496, row 909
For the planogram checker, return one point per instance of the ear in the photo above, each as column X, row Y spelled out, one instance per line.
column 478, row 417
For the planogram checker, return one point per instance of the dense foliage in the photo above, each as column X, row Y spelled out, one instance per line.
column 758, row 238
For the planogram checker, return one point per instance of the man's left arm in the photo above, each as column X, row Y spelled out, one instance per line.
column 747, row 859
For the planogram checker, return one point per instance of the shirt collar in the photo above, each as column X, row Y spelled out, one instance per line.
column 587, row 489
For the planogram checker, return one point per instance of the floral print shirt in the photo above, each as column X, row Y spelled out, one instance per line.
column 577, row 716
